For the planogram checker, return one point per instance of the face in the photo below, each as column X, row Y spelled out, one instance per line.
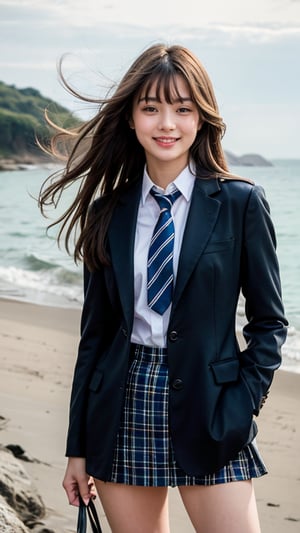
column 166, row 130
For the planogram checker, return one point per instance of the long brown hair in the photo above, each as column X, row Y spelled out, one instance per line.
column 105, row 156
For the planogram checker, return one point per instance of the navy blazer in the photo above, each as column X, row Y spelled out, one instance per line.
column 215, row 388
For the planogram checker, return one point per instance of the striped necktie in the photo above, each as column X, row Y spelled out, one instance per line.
column 160, row 257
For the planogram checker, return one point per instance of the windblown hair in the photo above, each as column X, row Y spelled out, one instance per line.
column 105, row 156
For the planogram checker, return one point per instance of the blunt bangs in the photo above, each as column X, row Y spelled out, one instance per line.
column 163, row 81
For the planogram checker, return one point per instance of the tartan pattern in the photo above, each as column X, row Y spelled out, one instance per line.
column 143, row 454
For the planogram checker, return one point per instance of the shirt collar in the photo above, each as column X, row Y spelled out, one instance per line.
column 184, row 183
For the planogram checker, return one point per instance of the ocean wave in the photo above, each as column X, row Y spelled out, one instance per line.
column 34, row 263
column 291, row 348
column 60, row 286
column 56, row 285
column 18, row 234
column 59, row 274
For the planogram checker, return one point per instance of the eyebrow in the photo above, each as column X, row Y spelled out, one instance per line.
column 154, row 99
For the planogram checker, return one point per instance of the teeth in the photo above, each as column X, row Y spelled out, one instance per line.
column 167, row 141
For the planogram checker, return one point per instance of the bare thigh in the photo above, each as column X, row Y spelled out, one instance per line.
column 224, row 508
column 131, row 509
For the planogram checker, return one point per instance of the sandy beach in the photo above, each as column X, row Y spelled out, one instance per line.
column 38, row 348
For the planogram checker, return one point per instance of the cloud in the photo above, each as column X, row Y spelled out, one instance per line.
column 275, row 15
column 250, row 51
column 32, row 65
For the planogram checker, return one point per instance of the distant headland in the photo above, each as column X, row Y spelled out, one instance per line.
column 22, row 119
column 247, row 160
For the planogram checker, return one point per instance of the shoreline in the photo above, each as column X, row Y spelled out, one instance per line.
column 25, row 161
column 38, row 351
column 289, row 364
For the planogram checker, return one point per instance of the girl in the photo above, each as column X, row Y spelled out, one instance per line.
column 162, row 393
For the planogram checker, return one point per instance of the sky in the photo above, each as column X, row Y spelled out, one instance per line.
column 251, row 51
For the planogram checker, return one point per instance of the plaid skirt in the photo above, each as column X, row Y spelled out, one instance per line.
column 143, row 454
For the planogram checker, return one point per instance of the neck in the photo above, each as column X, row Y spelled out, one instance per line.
column 164, row 173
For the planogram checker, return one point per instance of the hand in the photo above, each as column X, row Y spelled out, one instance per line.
column 77, row 481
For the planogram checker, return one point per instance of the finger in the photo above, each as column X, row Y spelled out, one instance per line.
column 93, row 494
column 91, row 484
column 84, row 490
column 76, row 481
column 92, row 488
column 72, row 493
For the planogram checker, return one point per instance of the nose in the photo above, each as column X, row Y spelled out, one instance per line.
column 167, row 121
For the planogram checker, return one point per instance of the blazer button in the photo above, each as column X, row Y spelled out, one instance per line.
column 173, row 336
column 177, row 384
column 124, row 331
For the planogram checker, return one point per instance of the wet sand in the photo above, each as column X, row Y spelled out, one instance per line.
column 38, row 346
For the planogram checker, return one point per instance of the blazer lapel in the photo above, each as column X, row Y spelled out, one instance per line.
column 201, row 220
column 202, row 217
column 121, row 236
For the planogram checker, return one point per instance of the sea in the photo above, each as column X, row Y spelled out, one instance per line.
column 34, row 269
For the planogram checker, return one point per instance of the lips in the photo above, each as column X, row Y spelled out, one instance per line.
column 166, row 140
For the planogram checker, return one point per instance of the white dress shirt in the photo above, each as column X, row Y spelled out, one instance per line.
column 150, row 328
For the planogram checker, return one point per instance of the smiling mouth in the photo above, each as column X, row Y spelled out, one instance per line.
column 166, row 140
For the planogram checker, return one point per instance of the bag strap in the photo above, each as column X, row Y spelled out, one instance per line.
column 90, row 511
column 81, row 521
column 94, row 520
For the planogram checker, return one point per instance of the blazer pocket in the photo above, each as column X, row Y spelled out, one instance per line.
column 96, row 381
column 219, row 246
column 225, row 370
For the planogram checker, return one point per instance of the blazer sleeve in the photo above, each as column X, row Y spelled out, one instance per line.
column 266, row 327
column 95, row 322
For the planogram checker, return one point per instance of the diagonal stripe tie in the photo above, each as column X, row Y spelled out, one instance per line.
column 160, row 257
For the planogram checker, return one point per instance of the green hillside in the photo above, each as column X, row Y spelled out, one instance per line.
column 22, row 119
